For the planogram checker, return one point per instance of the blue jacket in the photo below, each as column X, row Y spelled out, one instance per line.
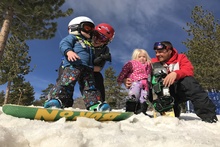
column 81, row 47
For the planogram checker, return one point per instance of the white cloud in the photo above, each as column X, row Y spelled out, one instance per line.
column 133, row 20
column 39, row 82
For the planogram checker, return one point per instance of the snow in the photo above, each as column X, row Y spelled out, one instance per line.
column 138, row 130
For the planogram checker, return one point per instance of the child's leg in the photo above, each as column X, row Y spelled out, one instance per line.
column 63, row 90
column 91, row 95
column 132, row 102
column 144, row 92
column 134, row 91
column 99, row 83
column 143, row 99
column 144, row 95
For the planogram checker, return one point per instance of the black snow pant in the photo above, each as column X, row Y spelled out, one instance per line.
column 99, row 84
column 189, row 89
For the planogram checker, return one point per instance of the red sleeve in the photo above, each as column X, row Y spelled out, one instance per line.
column 126, row 70
column 186, row 67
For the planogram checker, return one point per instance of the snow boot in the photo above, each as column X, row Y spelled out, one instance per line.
column 213, row 119
column 100, row 107
column 53, row 103
column 143, row 108
column 132, row 106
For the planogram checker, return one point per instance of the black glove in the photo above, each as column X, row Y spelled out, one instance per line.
column 106, row 57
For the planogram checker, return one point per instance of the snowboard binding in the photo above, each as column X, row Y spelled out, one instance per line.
column 163, row 104
column 164, row 101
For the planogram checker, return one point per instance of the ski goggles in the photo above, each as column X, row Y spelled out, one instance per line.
column 87, row 27
column 159, row 46
column 100, row 37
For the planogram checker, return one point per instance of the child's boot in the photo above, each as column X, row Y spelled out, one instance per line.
column 143, row 108
column 100, row 107
column 53, row 103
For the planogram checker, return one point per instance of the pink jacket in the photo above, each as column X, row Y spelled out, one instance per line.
column 135, row 70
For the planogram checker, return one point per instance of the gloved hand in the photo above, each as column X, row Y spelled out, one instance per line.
column 106, row 57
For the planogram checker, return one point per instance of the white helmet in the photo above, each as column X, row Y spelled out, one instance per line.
column 81, row 23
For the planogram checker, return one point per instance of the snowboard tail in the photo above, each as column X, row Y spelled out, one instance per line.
column 49, row 114
column 169, row 113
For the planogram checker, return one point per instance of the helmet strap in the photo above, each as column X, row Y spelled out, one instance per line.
column 74, row 32
column 73, row 28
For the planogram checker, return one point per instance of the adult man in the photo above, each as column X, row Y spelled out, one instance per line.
column 181, row 83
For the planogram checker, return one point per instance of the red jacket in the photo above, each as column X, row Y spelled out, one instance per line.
column 178, row 63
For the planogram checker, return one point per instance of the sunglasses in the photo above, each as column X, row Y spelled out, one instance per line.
column 100, row 37
column 159, row 46
column 87, row 27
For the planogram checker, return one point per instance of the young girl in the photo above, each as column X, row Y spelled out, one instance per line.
column 139, row 71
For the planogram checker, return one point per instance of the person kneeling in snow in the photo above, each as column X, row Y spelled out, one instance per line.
column 182, row 85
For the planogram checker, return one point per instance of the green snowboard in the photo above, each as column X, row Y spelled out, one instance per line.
column 48, row 114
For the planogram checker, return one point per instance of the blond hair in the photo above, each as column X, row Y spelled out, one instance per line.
column 136, row 53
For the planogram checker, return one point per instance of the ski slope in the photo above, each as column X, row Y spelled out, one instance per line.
column 138, row 130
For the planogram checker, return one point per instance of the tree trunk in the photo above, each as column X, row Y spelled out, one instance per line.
column 5, row 31
column 7, row 92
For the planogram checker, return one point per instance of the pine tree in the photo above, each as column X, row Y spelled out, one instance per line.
column 204, row 47
column 115, row 95
column 2, row 97
column 15, row 63
column 46, row 91
column 29, row 19
column 43, row 98
column 21, row 92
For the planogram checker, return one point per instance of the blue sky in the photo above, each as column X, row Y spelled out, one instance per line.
column 138, row 24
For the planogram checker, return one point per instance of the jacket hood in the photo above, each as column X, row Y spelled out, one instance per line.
column 174, row 57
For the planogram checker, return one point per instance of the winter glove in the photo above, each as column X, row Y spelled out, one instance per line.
column 106, row 57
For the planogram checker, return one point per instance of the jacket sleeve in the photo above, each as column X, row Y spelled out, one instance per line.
column 126, row 70
column 186, row 67
column 67, row 44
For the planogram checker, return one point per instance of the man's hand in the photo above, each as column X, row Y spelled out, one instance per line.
column 72, row 56
column 127, row 83
column 169, row 79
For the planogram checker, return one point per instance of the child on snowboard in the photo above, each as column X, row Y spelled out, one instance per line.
column 77, row 66
column 102, row 35
column 139, row 71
